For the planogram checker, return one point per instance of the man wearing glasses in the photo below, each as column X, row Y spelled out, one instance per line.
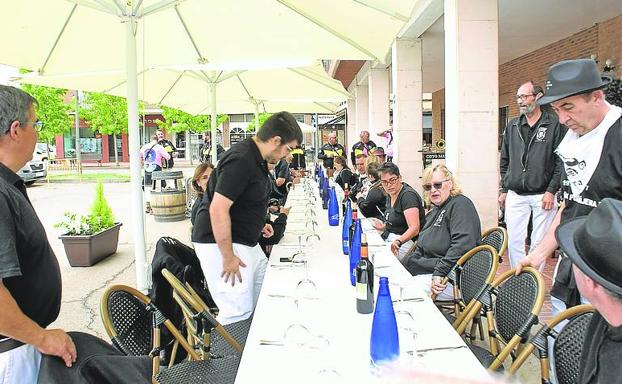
column 530, row 171
column 30, row 281
column 232, row 217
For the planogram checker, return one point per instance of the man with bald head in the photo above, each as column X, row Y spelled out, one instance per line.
column 330, row 150
column 530, row 171
column 363, row 147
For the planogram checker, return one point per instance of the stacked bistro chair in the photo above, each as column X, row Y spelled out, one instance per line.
column 134, row 325
column 496, row 237
column 567, row 348
column 473, row 272
column 511, row 304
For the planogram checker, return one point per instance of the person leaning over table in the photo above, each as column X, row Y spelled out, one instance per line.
column 374, row 203
column 452, row 228
column 404, row 214
column 343, row 175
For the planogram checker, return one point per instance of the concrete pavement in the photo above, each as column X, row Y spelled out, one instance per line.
column 83, row 286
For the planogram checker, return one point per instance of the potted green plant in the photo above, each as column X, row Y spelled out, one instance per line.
column 91, row 238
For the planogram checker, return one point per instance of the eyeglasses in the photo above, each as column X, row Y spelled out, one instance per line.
column 439, row 185
column 524, row 97
column 290, row 149
column 37, row 125
column 391, row 181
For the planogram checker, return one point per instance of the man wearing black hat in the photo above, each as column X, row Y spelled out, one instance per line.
column 592, row 243
column 591, row 152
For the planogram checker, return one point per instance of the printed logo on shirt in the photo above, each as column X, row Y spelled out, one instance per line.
column 540, row 136
column 439, row 219
column 574, row 171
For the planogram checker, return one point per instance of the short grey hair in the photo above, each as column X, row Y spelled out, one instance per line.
column 14, row 106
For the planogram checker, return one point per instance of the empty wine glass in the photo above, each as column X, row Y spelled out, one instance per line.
column 407, row 332
column 299, row 335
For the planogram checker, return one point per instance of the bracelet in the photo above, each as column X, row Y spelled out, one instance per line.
column 398, row 241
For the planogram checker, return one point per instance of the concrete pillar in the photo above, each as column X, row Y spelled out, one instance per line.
column 378, row 100
column 351, row 135
column 438, row 109
column 471, row 100
column 361, row 109
column 406, row 77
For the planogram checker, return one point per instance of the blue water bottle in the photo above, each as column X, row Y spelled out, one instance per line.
column 384, row 345
column 355, row 251
column 345, row 233
column 333, row 209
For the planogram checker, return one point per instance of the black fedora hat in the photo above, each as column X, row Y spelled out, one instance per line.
column 572, row 77
column 594, row 244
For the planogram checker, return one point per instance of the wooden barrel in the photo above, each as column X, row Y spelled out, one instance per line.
column 168, row 204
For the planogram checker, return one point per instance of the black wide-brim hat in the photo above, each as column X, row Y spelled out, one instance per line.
column 572, row 77
column 594, row 244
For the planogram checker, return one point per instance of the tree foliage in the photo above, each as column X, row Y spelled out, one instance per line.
column 52, row 110
column 262, row 119
column 176, row 121
column 105, row 113
column 613, row 93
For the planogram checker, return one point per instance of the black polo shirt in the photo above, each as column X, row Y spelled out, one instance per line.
column 242, row 177
column 28, row 267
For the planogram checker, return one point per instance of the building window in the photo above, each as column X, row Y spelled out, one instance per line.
column 427, row 129
column 238, row 134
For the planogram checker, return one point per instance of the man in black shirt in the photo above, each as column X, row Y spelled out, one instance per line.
column 362, row 147
column 233, row 216
column 30, row 282
column 205, row 149
column 589, row 241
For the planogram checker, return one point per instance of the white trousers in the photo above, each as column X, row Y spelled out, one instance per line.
column 404, row 248
column 20, row 365
column 236, row 302
column 517, row 211
column 424, row 283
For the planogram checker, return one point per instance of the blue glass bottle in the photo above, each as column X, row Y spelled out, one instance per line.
column 333, row 209
column 325, row 195
column 384, row 345
column 345, row 232
column 355, row 251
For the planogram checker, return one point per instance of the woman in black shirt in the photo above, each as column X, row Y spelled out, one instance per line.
column 373, row 203
column 404, row 213
column 452, row 228
column 343, row 175
column 199, row 184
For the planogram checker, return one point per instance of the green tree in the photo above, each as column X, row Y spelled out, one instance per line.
column 262, row 119
column 52, row 110
column 178, row 121
column 106, row 114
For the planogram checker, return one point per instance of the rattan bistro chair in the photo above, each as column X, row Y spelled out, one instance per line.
column 201, row 322
column 568, row 345
column 133, row 324
column 472, row 273
column 511, row 304
column 496, row 237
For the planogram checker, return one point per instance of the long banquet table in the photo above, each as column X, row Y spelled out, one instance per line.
column 331, row 316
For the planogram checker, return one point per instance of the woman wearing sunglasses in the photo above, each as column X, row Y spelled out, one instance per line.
column 451, row 229
column 404, row 213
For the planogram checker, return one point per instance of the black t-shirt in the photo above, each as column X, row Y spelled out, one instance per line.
column 28, row 267
column 394, row 215
column 606, row 181
column 242, row 177
column 281, row 170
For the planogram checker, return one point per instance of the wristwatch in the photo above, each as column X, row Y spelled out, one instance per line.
column 399, row 242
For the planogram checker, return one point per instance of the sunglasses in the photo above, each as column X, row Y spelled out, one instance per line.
column 439, row 185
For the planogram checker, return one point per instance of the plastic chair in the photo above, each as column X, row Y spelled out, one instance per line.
column 496, row 237
column 511, row 304
column 568, row 345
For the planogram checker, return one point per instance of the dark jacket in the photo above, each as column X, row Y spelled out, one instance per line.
column 334, row 150
column 359, row 149
column 204, row 152
column 346, row 176
column 600, row 356
column 450, row 231
column 530, row 166
column 374, row 204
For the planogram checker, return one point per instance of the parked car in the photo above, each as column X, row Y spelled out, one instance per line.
column 42, row 150
column 33, row 171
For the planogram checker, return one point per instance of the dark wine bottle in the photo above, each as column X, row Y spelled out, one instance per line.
column 364, row 281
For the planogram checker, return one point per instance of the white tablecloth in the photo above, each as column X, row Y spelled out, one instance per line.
column 333, row 316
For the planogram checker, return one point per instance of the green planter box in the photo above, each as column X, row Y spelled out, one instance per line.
column 85, row 251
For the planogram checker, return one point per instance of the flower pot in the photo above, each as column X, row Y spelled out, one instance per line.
column 87, row 250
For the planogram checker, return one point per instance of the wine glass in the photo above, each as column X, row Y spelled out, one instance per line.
column 407, row 333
